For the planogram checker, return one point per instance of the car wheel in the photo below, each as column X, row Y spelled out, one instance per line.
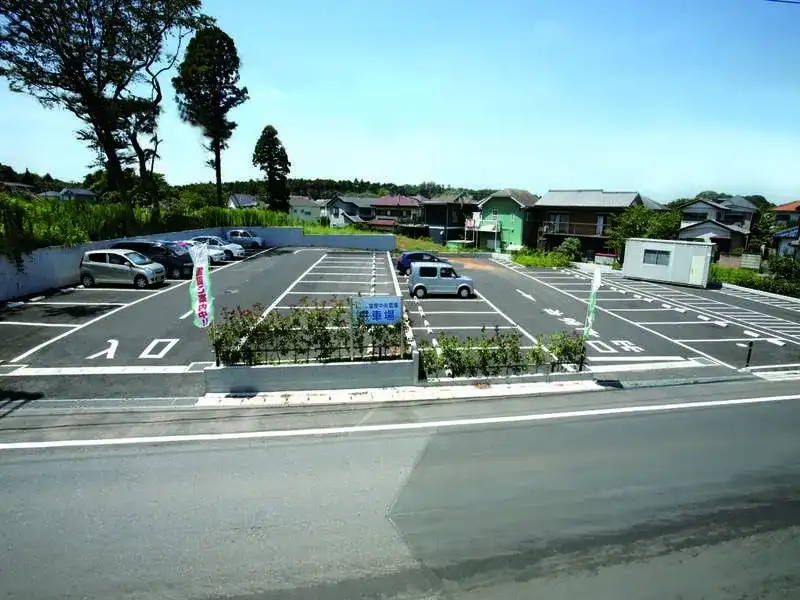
column 140, row 281
column 87, row 280
column 175, row 273
column 420, row 292
column 228, row 255
column 463, row 292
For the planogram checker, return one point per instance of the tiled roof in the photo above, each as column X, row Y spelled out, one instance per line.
column 359, row 201
column 652, row 204
column 738, row 203
column 790, row 233
column 301, row 201
column 395, row 201
column 77, row 192
column 587, row 199
column 451, row 198
column 243, row 200
column 382, row 222
column 789, row 207
column 521, row 197
column 735, row 228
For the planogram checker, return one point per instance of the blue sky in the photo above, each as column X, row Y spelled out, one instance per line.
column 664, row 97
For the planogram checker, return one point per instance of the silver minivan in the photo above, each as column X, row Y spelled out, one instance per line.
column 438, row 278
column 120, row 267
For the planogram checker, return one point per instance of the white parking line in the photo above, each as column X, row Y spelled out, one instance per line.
column 171, row 288
column 466, row 328
column 712, row 340
column 187, row 314
column 31, row 324
column 342, row 281
column 337, row 293
column 460, row 312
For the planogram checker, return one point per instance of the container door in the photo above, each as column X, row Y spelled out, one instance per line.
column 696, row 271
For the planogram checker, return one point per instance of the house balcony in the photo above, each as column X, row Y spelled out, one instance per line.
column 576, row 229
column 490, row 225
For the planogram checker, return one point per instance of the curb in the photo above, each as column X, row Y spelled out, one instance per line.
column 655, row 383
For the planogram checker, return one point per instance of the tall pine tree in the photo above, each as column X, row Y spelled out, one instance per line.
column 207, row 90
column 270, row 156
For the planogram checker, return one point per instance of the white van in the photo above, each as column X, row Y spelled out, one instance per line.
column 438, row 278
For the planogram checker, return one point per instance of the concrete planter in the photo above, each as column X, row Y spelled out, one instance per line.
column 328, row 376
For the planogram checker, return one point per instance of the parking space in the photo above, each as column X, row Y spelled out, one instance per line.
column 703, row 322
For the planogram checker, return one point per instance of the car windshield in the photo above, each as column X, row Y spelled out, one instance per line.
column 137, row 259
column 245, row 234
column 175, row 249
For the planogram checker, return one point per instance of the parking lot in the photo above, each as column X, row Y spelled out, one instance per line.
column 128, row 338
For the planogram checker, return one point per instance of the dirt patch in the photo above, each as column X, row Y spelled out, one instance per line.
column 473, row 263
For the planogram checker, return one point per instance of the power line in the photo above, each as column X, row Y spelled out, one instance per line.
column 784, row 1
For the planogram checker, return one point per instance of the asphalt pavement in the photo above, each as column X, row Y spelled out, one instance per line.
column 663, row 502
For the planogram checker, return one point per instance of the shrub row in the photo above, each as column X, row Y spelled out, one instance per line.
column 534, row 258
column 493, row 354
column 30, row 223
column 751, row 279
column 309, row 332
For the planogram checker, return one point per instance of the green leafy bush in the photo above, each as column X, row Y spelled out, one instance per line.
column 532, row 258
column 496, row 354
column 317, row 332
column 751, row 279
column 785, row 267
column 572, row 248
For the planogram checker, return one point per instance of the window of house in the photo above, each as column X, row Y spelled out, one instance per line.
column 494, row 213
column 336, row 211
column 656, row 257
column 694, row 216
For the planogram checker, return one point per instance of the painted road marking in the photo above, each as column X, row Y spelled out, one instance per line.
column 187, row 314
column 170, row 288
column 395, row 427
column 621, row 318
column 30, row 324
column 48, row 303
column 109, row 352
column 634, row 358
column 150, row 351
column 111, row 370
column 525, row 295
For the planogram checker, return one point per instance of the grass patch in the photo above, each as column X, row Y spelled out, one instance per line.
column 405, row 244
column 532, row 258
column 751, row 279
column 318, row 229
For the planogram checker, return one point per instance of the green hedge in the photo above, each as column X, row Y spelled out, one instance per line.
column 751, row 279
column 533, row 258
column 27, row 224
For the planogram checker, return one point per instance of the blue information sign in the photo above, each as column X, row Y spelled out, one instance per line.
column 377, row 310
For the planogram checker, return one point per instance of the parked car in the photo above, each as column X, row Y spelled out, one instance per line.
column 120, row 266
column 408, row 258
column 176, row 260
column 246, row 238
column 438, row 278
column 230, row 249
column 215, row 255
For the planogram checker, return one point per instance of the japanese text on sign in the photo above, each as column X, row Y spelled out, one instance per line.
column 377, row 310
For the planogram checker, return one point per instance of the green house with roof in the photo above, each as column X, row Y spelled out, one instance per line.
column 503, row 224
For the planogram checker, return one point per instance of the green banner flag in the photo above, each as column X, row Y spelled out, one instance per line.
column 200, row 287
column 590, row 308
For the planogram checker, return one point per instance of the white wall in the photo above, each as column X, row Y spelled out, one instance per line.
column 689, row 262
column 58, row 266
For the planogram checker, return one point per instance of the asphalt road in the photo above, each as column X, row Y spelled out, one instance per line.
column 689, row 503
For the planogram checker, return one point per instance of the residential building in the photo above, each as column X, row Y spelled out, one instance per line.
column 787, row 215
column 726, row 223
column 502, row 223
column 446, row 215
column 303, row 208
column 348, row 210
column 16, row 188
column 242, row 201
column 402, row 209
column 70, row 194
column 583, row 214
column 787, row 242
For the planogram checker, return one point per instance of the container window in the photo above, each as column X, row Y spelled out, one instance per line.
column 656, row 257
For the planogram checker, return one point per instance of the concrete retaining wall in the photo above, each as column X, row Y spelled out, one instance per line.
column 58, row 266
column 333, row 376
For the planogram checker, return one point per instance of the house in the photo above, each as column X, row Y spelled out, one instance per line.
column 400, row 208
column 788, row 241
column 726, row 223
column 50, row 194
column 787, row 215
column 16, row 188
column 77, row 194
column 446, row 215
column 501, row 224
column 348, row 210
column 302, row 208
column 242, row 201
column 583, row 214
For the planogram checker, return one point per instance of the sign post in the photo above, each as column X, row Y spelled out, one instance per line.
column 377, row 310
column 200, row 287
column 590, row 308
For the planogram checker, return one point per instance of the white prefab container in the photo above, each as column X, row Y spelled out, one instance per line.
column 668, row 261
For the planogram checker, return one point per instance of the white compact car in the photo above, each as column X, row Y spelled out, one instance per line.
column 246, row 238
column 215, row 255
column 230, row 249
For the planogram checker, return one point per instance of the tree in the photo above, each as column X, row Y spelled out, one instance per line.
column 206, row 91
column 270, row 156
column 633, row 222
column 99, row 60
column 664, row 225
column 763, row 229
